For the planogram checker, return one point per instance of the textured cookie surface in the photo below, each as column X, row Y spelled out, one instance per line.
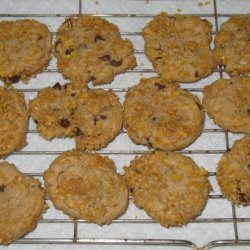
column 228, row 103
column 25, row 49
column 93, row 117
column 232, row 45
column 13, row 121
column 162, row 115
column 179, row 47
column 233, row 172
column 22, row 201
column 86, row 186
column 168, row 186
column 90, row 48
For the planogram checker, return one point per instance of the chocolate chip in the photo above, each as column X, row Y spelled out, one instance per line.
column 95, row 120
column 36, row 121
column 64, row 122
column 153, row 119
column 172, row 17
column 116, row 63
column 137, row 171
column 2, row 188
column 196, row 74
column 65, row 86
column 248, row 111
column 73, row 94
column 14, row 79
column 103, row 117
column 242, row 197
column 105, row 58
column 78, row 131
column 92, row 78
column 57, row 43
column 68, row 51
column 158, row 58
column 159, row 85
column 57, row 86
column 158, row 49
column 98, row 37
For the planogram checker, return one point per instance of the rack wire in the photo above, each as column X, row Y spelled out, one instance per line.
column 75, row 239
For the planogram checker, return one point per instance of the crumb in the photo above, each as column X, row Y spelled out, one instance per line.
column 207, row 2
column 96, row 2
column 146, row 1
column 200, row 4
column 179, row 10
column 142, row 64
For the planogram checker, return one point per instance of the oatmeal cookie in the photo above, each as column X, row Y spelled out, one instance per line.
column 90, row 48
column 13, row 121
column 93, row 117
column 178, row 46
column 227, row 102
column 161, row 115
column 22, row 201
column 25, row 49
column 232, row 45
column 170, row 187
column 233, row 173
column 86, row 186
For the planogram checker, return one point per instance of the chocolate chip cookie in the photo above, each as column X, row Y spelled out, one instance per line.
column 178, row 46
column 92, row 117
column 13, row 121
column 161, row 115
column 228, row 103
column 232, row 45
column 25, row 49
column 90, row 48
column 170, row 187
column 22, row 201
column 86, row 186
column 233, row 173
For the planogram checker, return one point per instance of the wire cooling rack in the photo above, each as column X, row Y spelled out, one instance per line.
column 64, row 231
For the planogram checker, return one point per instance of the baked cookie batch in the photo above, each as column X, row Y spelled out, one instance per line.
column 170, row 187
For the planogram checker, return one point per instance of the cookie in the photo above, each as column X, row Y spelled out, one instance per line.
column 90, row 48
column 25, row 49
column 233, row 173
column 227, row 102
column 22, row 201
column 232, row 46
column 161, row 115
column 170, row 187
column 93, row 117
column 178, row 46
column 86, row 186
column 13, row 121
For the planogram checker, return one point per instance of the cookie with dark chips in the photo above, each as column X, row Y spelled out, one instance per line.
column 91, row 49
column 25, row 49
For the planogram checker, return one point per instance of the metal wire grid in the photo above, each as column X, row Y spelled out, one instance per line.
column 153, row 242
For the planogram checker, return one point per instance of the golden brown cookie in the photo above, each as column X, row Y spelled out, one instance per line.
column 90, row 48
column 25, row 49
column 170, row 187
column 160, row 114
column 228, row 103
column 22, row 201
column 233, row 173
column 232, row 45
column 86, row 186
column 93, row 117
column 178, row 46
column 13, row 121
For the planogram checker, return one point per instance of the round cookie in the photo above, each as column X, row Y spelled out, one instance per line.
column 178, row 46
column 232, row 46
column 13, row 121
column 161, row 115
column 90, row 48
column 25, row 49
column 93, row 117
column 170, row 187
column 233, row 173
column 86, row 186
column 22, row 201
column 227, row 102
